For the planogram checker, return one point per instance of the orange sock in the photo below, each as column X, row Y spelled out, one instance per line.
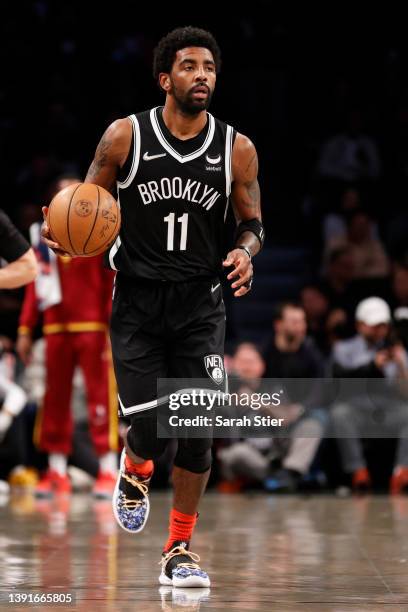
column 180, row 527
column 142, row 470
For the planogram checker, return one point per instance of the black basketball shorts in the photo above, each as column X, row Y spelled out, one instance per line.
column 165, row 330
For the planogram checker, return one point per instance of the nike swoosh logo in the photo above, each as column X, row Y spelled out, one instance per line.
column 148, row 157
column 214, row 288
column 213, row 160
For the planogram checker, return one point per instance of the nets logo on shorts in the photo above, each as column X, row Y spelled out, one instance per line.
column 215, row 367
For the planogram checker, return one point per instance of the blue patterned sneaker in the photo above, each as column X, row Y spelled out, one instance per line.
column 130, row 500
column 180, row 568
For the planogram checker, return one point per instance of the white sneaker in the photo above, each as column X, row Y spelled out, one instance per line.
column 130, row 500
column 180, row 568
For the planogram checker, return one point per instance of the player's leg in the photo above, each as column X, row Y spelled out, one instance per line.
column 198, row 353
column 139, row 359
column 93, row 355
column 54, row 425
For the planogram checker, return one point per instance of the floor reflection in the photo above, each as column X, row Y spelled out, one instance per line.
column 262, row 553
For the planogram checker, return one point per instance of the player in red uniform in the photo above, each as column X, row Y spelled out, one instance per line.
column 74, row 296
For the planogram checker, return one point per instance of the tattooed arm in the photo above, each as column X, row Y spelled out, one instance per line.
column 246, row 203
column 110, row 156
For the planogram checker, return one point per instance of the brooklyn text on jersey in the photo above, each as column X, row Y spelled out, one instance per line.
column 174, row 198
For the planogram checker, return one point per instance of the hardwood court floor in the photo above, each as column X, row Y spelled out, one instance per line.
column 262, row 553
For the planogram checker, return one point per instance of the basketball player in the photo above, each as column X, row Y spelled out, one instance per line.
column 72, row 296
column 175, row 168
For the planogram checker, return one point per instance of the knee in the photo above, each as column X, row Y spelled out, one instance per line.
column 142, row 438
column 194, row 455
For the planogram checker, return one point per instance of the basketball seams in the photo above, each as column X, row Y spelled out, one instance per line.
column 81, row 231
column 94, row 222
column 53, row 234
column 68, row 217
column 110, row 240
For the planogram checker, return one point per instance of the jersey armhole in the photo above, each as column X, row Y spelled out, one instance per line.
column 124, row 171
column 129, row 169
column 229, row 144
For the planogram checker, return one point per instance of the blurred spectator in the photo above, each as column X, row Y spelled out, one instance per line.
column 336, row 327
column 372, row 353
column 74, row 296
column 351, row 155
column 28, row 214
column 254, row 459
column 401, row 324
column 396, row 232
column 20, row 269
column 399, row 283
column 12, row 440
column 370, row 259
column 293, row 355
column 369, row 256
column 248, row 460
column 399, row 300
column 324, row 325
column 315, row 304
column 338, row 278
column 334, row 224
column 12, row 396
column 33, row 180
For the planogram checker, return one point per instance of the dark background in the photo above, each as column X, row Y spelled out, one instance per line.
column 289, row 82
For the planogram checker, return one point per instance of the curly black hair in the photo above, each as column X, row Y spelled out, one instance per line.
column 180, row 38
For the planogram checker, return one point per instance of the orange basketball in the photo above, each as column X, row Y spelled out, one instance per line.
column 84, row 219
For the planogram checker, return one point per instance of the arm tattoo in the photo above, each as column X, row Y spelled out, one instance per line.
column 101, row 157
column 253, row 193
column 252, row 161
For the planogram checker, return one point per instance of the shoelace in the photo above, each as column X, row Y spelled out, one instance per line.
column 179, row 550
column 132, row 504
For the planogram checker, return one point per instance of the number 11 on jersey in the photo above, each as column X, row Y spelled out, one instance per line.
column 170, row 231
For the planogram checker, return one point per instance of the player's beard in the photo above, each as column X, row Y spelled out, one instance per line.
column 187, row 104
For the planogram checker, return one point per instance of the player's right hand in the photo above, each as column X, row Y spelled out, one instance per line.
column 46, row 235
column 242, row 269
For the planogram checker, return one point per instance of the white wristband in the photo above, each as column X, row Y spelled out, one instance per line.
column 246, row 249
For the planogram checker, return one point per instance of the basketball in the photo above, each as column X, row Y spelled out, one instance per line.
column 84, row 219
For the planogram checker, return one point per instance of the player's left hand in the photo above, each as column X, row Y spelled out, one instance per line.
column 242, row 272
column 47, row 238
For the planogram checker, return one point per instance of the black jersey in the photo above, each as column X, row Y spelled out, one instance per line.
column 173, row 201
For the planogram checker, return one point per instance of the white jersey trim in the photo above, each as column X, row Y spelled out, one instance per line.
column 116, row 245
column 136, row 154
column 228, row 166
column 128, row 181
column 141, row 407
column 167, row 146
column 113, row 250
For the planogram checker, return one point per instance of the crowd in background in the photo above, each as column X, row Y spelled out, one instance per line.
column 331, row 129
